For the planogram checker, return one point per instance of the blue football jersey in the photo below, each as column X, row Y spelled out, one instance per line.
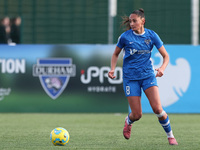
column 137, row 49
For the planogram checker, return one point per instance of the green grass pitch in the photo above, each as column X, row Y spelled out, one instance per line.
column 31, row 131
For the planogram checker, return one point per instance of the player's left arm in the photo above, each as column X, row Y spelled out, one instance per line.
column 163, row 52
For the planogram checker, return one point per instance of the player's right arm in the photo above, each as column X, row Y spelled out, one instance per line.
column 114, row 62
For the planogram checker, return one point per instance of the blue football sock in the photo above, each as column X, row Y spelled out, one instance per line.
column 167, row 127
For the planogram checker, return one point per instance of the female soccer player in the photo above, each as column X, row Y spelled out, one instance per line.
column 137, row 43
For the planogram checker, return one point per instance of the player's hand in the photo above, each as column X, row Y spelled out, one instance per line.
column 160, row 72
column 111, row 74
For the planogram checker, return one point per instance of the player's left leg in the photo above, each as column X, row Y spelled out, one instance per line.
column 152, row 94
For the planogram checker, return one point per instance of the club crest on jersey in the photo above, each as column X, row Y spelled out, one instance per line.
column 147, row 41
column 54, row 74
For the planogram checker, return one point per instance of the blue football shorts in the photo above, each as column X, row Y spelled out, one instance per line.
column 134, row 87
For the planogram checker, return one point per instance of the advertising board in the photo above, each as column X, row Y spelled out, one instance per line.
column 73, row 78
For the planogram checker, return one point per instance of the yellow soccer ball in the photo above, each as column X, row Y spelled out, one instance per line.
column 59, row 136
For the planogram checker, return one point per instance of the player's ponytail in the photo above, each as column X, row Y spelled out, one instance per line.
column 142, row 10
column 139, row 12
column 125, row 23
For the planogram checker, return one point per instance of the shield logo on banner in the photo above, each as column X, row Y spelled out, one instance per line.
column 54, row 74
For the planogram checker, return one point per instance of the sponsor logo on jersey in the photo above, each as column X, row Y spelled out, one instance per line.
column 54, row 74
column 134, row 51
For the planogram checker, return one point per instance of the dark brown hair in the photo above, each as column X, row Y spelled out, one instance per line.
column 125, row 19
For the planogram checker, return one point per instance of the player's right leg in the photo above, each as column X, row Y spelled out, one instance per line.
column 134, row 115
column 132, row 91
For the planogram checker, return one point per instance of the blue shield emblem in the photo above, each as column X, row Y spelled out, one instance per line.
column 54, row 74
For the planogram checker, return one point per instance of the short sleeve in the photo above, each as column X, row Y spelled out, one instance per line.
column 157, row 41
column 120, row 42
